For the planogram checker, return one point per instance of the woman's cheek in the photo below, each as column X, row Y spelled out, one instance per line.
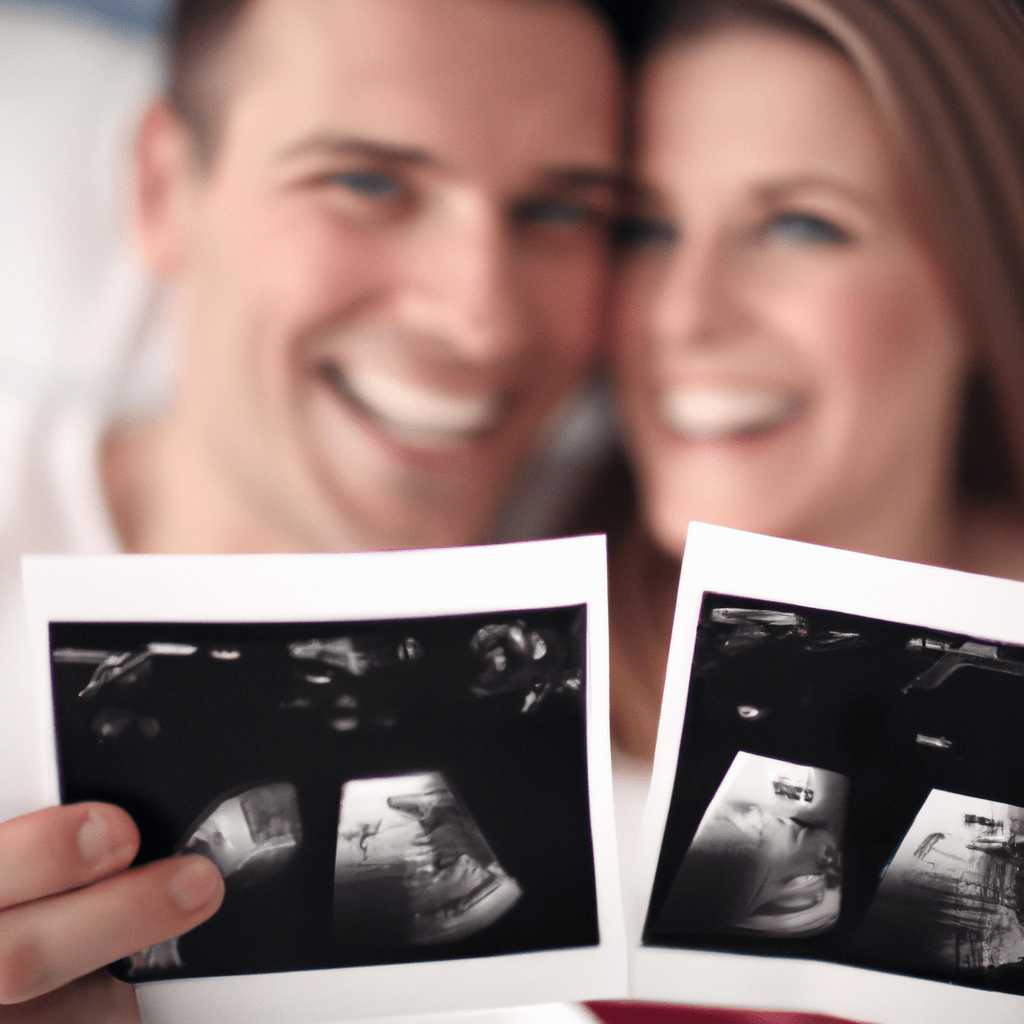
column 859, row 332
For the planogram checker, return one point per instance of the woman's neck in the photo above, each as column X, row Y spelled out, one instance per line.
column 642, row 588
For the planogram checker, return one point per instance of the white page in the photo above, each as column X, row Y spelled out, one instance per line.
column 843, row 798
column 344, row 637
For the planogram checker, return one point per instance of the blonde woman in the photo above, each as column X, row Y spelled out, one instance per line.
column 821, row 311
column 821, row 316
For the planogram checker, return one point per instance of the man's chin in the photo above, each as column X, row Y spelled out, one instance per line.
column 390, row 507
column 413, row 488
column 419, row 528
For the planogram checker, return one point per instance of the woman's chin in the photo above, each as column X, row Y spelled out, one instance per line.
column 668, row 512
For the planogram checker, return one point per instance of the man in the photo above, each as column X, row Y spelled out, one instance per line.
column 392, row 271
column 386, row 221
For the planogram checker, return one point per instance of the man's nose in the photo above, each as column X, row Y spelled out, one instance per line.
column 466, row 286
column 696, row 304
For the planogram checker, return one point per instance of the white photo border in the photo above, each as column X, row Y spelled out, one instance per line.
column 748, row 565
column 357, row 587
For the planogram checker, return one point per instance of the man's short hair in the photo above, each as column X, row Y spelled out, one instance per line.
column 198, row 29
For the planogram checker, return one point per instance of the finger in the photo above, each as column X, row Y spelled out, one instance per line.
column 62, row 848
column 97, row 997
column 46, row 944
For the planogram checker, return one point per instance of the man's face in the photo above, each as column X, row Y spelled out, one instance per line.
column 394, row 265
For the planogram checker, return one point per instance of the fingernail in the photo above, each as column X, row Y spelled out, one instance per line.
column 106, row 837
column 195, row 884
column 95, row 843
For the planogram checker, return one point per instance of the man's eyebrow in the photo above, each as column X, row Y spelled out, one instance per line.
column 323, row 144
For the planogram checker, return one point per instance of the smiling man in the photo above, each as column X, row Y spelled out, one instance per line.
column 388, row 219
column 387, row 224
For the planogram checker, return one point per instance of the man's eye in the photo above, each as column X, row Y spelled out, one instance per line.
column 555, row 212
column 805, row 229
column 372, row 184
column 644, row 232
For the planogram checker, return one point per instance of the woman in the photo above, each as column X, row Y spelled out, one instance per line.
column 820, row 321
column 821, row 328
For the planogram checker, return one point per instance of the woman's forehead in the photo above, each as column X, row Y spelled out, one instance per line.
column 759, row 102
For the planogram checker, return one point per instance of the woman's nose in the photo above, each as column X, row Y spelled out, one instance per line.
column 696, row 304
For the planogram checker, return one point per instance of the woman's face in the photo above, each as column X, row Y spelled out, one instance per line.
column 789, row 354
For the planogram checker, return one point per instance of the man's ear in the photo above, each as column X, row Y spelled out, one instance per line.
column 165, row 181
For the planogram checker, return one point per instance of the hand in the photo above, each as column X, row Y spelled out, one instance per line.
column 68, row 906
column 89, row 1000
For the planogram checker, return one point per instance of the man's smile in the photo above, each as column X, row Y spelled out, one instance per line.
column 416, row 414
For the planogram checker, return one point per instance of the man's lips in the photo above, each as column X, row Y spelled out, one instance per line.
column 703, row 412
column 419, row 415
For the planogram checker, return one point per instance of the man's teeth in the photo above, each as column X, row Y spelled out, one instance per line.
column 708, row 413
column 418, row 413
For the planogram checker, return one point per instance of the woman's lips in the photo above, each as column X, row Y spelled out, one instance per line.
column 700, row 412
column 415, row 414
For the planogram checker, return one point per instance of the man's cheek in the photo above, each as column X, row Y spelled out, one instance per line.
column 579, row 333
column 316, row 272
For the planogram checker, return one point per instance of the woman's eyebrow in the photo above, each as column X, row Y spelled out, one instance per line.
column 638, row 192
column 775, row 190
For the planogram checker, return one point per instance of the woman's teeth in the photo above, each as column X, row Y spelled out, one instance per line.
column 418, row 414
column 712, row 413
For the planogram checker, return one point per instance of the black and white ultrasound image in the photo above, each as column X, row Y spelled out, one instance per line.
column 372, row 792
column 913, row 733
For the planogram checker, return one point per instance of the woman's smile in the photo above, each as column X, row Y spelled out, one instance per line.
column 719, row 412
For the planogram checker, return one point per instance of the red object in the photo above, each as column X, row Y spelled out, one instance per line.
column 657, row 1013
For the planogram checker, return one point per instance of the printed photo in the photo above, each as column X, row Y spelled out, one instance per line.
column 373, row 792
column 413, row 865
column 812, row 812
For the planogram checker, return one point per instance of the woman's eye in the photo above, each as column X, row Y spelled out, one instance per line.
column 643, row 232
column 805, row 229
column 371, row 184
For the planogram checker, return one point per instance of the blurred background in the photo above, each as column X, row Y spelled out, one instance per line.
column 137, row 14
column 79, row 319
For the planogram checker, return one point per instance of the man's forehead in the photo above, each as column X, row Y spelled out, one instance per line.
column 454, row 80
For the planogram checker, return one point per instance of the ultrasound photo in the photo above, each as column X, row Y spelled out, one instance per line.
column 848, row 790
column 952, row 899
column 372, row 792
